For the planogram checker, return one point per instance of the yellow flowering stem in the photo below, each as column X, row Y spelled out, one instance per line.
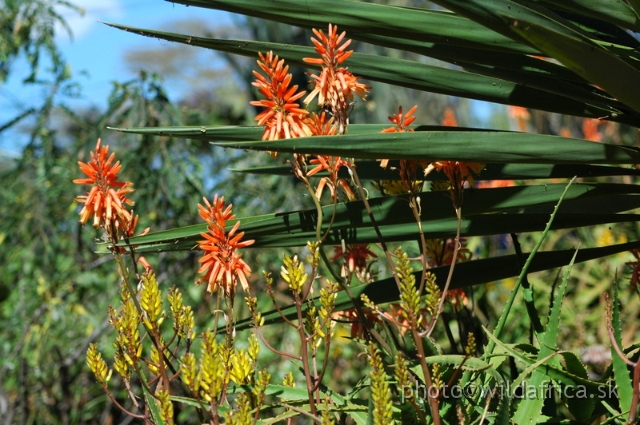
column 282, row 315
column 102, row 374
column 456, row 248
column 381, row 342
column 124, row 274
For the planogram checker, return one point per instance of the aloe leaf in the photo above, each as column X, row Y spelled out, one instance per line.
column 420, row 76
column 503, row 413
column 581, row 407
column 529, row 408
column 597, row 389
column 522, row 278
column 467, row 274
column 151, row 403
column 620, row 371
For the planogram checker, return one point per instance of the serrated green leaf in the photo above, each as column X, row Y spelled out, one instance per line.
column 529, row 408
column 580, row 407
column 620, row 371
column 558, row 374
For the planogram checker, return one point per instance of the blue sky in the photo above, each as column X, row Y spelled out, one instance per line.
column 96, row 53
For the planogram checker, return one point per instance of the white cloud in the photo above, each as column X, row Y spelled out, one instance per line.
column 94, row 11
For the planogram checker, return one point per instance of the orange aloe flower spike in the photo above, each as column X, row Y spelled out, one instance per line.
column 222, row 265
column 283, row 117
column 106, row 200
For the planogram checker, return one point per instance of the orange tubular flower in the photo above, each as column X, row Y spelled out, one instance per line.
column 334, row 87
column 107, row 198
column 221, row 263
column 401, row 121
column 358, row 324
column 408, row 168
column 458, row 172
column 283, row 118
column 356, row 257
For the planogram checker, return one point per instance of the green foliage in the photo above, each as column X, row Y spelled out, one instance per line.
column 571, row 59
column 577, row 58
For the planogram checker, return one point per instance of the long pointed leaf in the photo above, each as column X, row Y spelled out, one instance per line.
column 359, row 16
column 352, row 217
column 371, row 170
column 422, row 76
column 467, row 274
column 476, row 146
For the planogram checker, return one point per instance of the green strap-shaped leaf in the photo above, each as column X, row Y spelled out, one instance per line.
column 467, row 274
column 474, row 146
column 425, row 77
column 400, row 22
column 371, row 170
column 389, row 211
column 585, row 58
column 616, row 12
column 558, row 39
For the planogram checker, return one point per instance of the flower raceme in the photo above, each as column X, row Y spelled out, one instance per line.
column 283, row 117
column 221, row 263
column 335, row 86
column 107, row 198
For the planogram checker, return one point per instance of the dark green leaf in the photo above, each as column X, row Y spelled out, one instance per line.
column 472, row 146
column 399, row 22
column 371, row 170
column 466, row 274
column 425, row 77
